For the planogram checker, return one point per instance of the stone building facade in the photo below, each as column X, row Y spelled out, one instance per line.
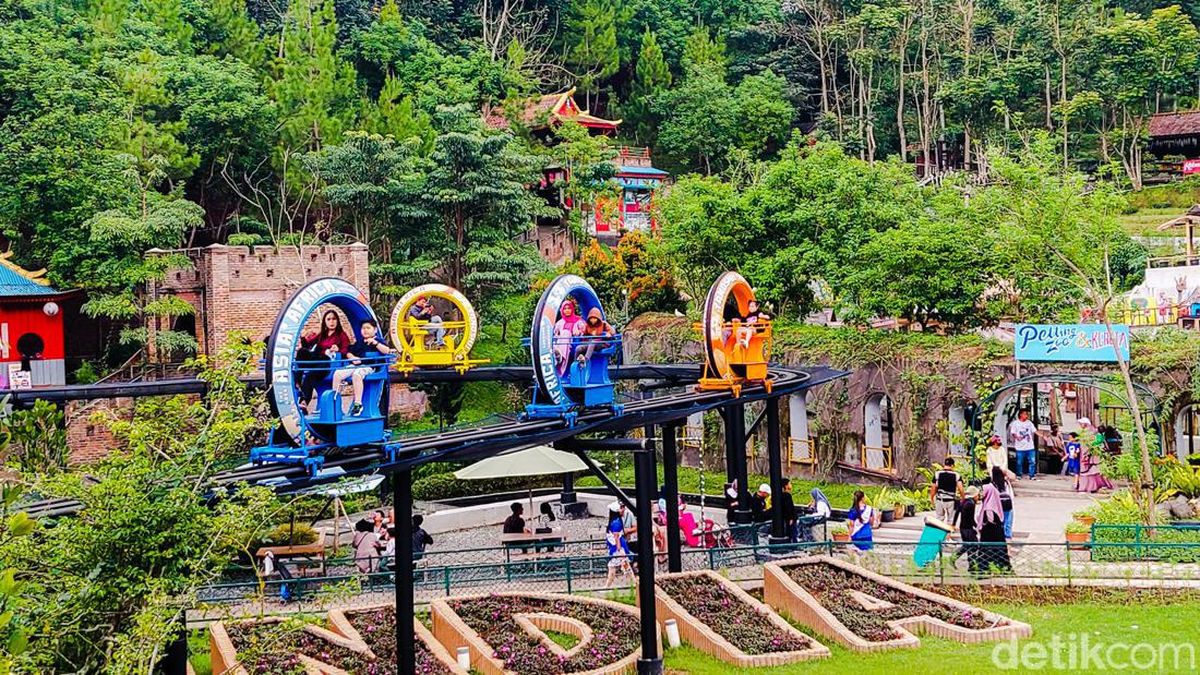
column 243, row 288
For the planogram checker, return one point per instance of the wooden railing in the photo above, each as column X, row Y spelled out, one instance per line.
column 876, row 459
column 801, row 451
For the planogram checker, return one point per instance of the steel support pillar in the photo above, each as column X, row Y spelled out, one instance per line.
column 406, row 654
column 778, row 530
column 735, row 457
column 671, row 495
column 645, row 477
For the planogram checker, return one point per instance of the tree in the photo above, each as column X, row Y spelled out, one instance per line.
column 109, row 590
column 763, row 114
column 635, row 274
column 699, row 121
column 652, row 77
column 592, row 39
column 1069, row 236
column 474, row 188
column 313, row 87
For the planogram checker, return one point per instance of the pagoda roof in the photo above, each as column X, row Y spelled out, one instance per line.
column 18, row 282
column 550, row 109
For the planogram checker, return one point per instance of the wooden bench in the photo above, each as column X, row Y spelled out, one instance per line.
column 313, row 554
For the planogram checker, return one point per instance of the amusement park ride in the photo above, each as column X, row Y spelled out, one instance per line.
column 574, row 355
column 571, row 347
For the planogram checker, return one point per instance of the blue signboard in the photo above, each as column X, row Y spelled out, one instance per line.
column 1070, row 342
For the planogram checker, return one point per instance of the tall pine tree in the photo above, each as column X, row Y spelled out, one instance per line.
column 314, row 88
column 652, row 76
column 593, row 45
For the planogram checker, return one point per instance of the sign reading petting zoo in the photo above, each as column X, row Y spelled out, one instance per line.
column 1071, row 342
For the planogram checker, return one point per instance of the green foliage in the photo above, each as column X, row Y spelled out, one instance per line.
column 37, row 439
column 287, row 535
column 635, row 272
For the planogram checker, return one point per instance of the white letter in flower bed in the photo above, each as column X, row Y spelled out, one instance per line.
column 866, row 611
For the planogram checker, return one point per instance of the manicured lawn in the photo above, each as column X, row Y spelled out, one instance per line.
column 839, row 494
column 1109, row 622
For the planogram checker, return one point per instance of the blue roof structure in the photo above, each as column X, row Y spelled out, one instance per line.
column 17, row 282
column 642, row 171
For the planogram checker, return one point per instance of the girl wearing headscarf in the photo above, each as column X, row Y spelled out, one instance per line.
column 1090, row 478
column 819, row 511
column 989, row 523
column 564, row 329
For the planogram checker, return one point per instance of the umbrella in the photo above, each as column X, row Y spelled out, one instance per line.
column 540, row 460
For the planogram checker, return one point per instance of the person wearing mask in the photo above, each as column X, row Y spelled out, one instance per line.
column 964, row 521
column 1022, row 433
column 749, row 323
column 318, row 348
column 565, row 329
column 945, row 491
column 366, row 546
column 788, row 506
column 989, row 524
column 420, row 538
column 366, row 348
column 861, row 519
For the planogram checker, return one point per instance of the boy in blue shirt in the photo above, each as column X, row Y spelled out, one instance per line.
column 1072, row 449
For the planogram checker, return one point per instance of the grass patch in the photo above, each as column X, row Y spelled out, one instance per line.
column 1106, row 622
column 198, row 651
column 839, row 494
column 564, row 640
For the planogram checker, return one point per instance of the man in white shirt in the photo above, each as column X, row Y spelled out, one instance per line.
column 1021, row 433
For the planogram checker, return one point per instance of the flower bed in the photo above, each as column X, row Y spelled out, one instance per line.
column 719, row 618
column 501, row 643
column 376, row 627
column 361, row 642
column 867, row 611
column 287, row 648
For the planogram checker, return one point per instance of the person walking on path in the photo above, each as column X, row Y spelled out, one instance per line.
column 964, row 520
column 1022, row 434
column 788, row 506
column 945, row 490
column 989, row 523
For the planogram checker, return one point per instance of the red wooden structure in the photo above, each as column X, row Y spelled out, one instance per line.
column 31, row 328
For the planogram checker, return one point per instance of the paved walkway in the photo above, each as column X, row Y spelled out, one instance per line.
column 1042, row 508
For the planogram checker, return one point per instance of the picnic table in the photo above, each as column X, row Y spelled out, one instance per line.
column 307, row 554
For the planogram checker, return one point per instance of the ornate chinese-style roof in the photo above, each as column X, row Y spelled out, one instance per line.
column 18, row 282
column 549, row 109
column 1185, row 123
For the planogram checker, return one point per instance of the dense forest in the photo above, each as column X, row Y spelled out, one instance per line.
column 132, row 124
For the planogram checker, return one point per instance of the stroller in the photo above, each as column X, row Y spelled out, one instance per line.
column 714, row 538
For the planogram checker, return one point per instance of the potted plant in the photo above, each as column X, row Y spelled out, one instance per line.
column 839, row 532
column 1078, row 534
column 885, row 501
column 1085, row 518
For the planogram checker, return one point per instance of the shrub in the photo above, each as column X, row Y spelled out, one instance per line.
column 1076, row 527
column 446, row 486
column 283, row 535
column 718, row 608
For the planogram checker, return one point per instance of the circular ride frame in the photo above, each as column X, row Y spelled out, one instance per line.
column 407, row 336
column 718, row 363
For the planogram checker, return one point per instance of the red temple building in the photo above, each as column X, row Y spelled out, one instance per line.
column 32, row 351
column 635, row 173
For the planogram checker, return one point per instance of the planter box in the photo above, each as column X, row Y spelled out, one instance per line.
column 888, row 515
column 706, row 639
column 453, row 632
column 781, row 591
column 340, row 623
column 225, row 659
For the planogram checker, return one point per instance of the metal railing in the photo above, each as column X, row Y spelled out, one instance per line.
column 573, row 571
column 1146, row 543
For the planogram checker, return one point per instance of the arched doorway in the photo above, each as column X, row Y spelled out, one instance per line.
column 877, row 434
column 801, row 449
